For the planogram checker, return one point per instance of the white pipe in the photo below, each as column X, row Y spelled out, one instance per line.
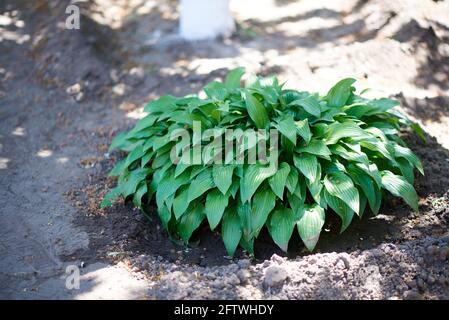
column 205, row 19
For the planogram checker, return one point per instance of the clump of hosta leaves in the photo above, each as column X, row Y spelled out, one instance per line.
column 337, row 154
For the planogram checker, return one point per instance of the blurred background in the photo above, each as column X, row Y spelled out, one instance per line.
column 395, row 47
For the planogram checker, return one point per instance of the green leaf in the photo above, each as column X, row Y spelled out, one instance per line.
column 310, row 223
column 146, row 158
column 163, row 104
column 281, row 225
column 145, row 123
column 380, row 147
column 287, row 127
column 315, row 185
column 216, row 202
column 253, row 178
column 350, row 155
column 110, row 197
column 263, row 203
column 181, row 203
column 200, row 185
column 381, row 105
column 316, row 147
column 279, row 180
column 408, row 154
column 339, row 94
column 244, row 213
column 337, row 131
column 256, row 111
column 120, row 141
column 136, row 154
column 366, row 183
column 339, row 206
column 372, row 171
column 190, row 221
column 169, row 185
column 310, row 104
column 222, row 176
column 295, row 202
column 118, row 169
column 132, row 181
column 307, row 164
column 231, row 230
column 399, row 187
column 164, row 215
column 141, row 191
column 216, row 90
column 303, row 129
column 233, row 78
column 292, row 180
column 341, row 186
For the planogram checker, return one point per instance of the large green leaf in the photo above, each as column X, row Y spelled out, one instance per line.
column 164, row 215
column 132, row 181
column 163, row 104
column 134, row 155
column 279, row 180
column 310, row 104
column 190, row 221
column 307, row 164
column 231, row 230
column 216, row 90
column 287, row 127
column 140, row 192
column 169, row 185
column 303, row 129
column 341, row 208
column 337, row 131
column 339, row 94
column 292, row 180
column 263, row 203
column 399, row 187
column 245, row 215
column 281, row 225
column 370, row 189
column 216, row 203
column 200, row 185
column 349, row 154
column 118, row 169
column 181, row 203
column 341, row 186
column 408, row 154
column 316, row 147
column 253, row 178
column 311, row 220
column 222, row 176
column 256, row 111
column 233, row 78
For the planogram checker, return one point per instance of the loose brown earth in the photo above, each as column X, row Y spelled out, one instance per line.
column 64, row 95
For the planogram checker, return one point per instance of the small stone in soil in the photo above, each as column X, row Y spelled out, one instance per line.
column 274, row 276
column 412, row 295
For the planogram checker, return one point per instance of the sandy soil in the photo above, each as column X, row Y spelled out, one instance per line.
column 65, row 93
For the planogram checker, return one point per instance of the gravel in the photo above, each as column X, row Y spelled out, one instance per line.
column 369, row 274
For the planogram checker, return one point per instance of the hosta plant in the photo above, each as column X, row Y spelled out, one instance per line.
column 334, row 154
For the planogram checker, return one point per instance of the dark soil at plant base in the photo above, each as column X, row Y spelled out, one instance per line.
column 65, row 94
column 125, row 231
